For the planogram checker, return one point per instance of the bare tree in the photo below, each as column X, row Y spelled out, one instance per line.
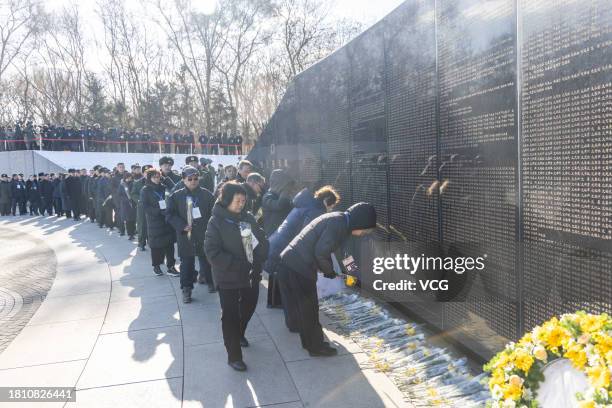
column 19, row 22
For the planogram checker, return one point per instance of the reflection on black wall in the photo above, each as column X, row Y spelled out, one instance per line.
column 475, row 127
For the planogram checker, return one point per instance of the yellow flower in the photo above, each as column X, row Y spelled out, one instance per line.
column 586, row 404
column 576, row 355
column 527, row 338
column 350, row 280
column 513, row 392
column 584, row 338
column 556, row 336
column 599, row 376
column 502, row 361
column 522, row 360
column 592, row 323
column 604, row 343
column 497, row 378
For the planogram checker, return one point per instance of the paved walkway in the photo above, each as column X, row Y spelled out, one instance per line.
column 120, row 335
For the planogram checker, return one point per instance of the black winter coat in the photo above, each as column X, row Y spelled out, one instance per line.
column 311, row 249
column 170, row 180
column 275, row 209
column 73, row 187
column 225, row 252
column 159, row 233
column 176, row 215
column 126, row 207
column 46, row 190
column 33, row 192
column 5, row 192
column 18, row 189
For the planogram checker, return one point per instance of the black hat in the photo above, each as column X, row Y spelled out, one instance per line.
column 146, row 167
column 361, row 216
column 190, row 159
column 4, row 175
column 97, row 167
column 205, row 161
column 135, row 166
column 21, row 174
column 189, row 171
column 166, row 159
column 41, row 174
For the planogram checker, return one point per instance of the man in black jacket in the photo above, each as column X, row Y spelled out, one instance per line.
column 46, row 191
column 34, row 199
column 5, row 195
column 310, row 251
column 74, row 191
column 169, row 179
column 19, row 194
column 190, row 227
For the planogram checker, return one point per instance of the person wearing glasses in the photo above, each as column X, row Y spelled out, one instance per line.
column 189, row 210
column 160, row 235
column 236, row 247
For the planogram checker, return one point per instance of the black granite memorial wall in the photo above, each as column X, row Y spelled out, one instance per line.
column 474, row 127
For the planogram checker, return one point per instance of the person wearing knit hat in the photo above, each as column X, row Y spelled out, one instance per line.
column 141, row 220
column 312, row 250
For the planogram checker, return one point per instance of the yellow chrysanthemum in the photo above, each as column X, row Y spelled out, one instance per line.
column 497, row 378
column 555, row 336
column 586, row 404
column 599, row 376
column 513, row 392
column 604, row 343
column 522, row 360
column 527, row 338
column 592, row 323
column 576, row 354
column 502, row 361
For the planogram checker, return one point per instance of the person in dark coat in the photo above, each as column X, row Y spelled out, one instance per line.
column 19, row 194
column 34, row 199
column 169, row 179
column 160, row 234
column 66, row 207
column 46, row 192
column 275, row 205
column 236, row 247
column 57, row 196
column 126, row 207
column 103, row 196
column 255, row 187
column 310, row 251
column 115, row 185
column 141, row 221
column 74, row 192
column 306, row 207
column 6, row 195
column 190, row 230
column 84, row 179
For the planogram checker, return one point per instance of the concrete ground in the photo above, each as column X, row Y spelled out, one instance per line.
column 119, row 333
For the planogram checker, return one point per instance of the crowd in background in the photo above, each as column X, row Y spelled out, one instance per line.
column 91, row 138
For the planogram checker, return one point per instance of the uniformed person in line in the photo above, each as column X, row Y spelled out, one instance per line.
column 189, row 210
column 141, row 221
column 205, row 178
column 168, row 178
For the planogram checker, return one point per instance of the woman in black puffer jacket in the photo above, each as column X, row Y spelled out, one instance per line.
column 160, row 234
column 236, row 248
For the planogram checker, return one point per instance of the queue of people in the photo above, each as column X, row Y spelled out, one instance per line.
column 92, row 138
column 235, row 223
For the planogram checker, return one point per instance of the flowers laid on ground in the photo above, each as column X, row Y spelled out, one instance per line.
column 584, row 339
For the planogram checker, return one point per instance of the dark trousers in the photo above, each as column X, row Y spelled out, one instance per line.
column 34, row 207
column 57, row 205
column 188, row 272
column 141, row 225
column 237, row 308
column 5, row 208
column 129, row 226
column 158, row 255
column 75, row 206
column 304, row 293
column 274, row 295
column 47, row 206
column 290, row 309
column 205, row 270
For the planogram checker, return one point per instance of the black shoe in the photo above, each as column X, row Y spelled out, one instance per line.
column 323, row 351
column 157, row 270
column 121, row 234
column 186, row 295
column 294, row 330
column 211, row 289
column 237, row 365
column 142, row 248
column 172, row 271
column 99, row 226
column 131, row 237
column 244, row 342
